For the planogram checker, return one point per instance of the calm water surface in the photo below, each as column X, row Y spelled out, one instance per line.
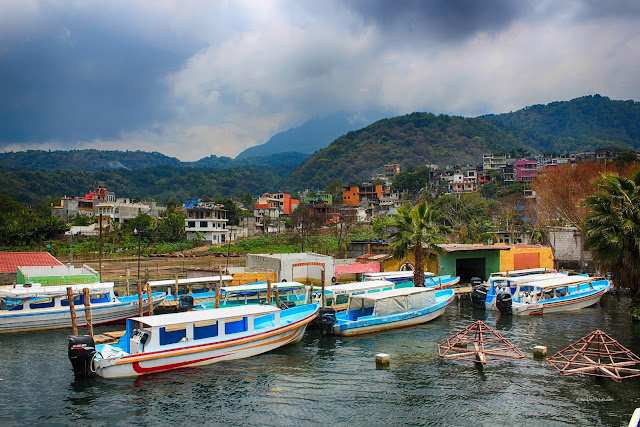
column 335, row 381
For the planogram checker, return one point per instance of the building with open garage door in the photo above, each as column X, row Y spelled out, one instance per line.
column 477, row 260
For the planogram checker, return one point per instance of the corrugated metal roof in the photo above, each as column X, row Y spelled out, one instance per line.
column 457, row 247
column 375, row 257
column 10, row 261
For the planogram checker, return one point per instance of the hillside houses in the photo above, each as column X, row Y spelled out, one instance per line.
column 104, row 202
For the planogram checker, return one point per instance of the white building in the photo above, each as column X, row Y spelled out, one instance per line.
column 207, row 221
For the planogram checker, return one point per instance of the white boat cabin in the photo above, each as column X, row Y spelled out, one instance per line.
column 531, row 292
column 387, row 303
column 35, row 296
column 393, row 276
column 155, row 332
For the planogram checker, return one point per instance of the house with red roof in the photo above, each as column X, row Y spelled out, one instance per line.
column 10, row 261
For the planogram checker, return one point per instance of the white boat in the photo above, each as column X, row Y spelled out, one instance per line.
column 199, row 288
column 36, row 307
column 540, row 294
column 195, row 338
column 391, row 309
column 337, row 296
column 430, row 279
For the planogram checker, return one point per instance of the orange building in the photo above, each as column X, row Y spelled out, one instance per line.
column 353, row 195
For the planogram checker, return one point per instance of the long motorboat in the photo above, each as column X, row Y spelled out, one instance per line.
column 430, row 279
column 257, row 293
column 337, row 296
column 200, row 289
column 36, row 307
column 536, row 295
column 391, row 309
column 195, row 338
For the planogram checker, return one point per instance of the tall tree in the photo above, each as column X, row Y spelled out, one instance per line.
column 415, row 233
column 613, row 227
column 347, row 219
column 305, row 221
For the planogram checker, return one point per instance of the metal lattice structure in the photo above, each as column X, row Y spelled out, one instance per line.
column 479, row 343
column 599, row 355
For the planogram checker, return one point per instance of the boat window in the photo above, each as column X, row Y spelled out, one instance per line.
column 43, row 303
column 78, row 299
column 233, row 326
column 172, row 334
column 205, row 330
column 100, row 298
column 264, row 321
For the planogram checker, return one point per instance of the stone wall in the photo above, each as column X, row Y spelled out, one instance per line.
column 568, row 248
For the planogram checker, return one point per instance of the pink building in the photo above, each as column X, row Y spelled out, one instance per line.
column 526, row 170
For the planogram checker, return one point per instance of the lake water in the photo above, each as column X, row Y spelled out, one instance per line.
column 335, row 381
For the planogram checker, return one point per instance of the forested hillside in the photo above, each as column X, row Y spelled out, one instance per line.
column 32, row 188
column 414, row 139
column 583, row 123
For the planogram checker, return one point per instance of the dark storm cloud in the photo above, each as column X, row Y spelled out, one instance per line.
column 441, row 20
column 82, row 77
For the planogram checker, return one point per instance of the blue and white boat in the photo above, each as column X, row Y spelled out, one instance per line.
column 391, row 309
column 399, row 277
column 194, row 338
column 544, row 293
column 257, row 293
column 337, row 296
column 199, row 288
column 35, row 307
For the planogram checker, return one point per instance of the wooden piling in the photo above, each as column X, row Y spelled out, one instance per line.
column 268, row 289
column 218, row 295
column 140, row 307
column 322, row 290
column 87, row 310
column 72, row 310
column 275, row 294
column 126, row 281
column 150, row 299
column 440, row 280
column 175, row 289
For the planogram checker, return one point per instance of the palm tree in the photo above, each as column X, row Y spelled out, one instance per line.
column 415, row 232
column 613, row 228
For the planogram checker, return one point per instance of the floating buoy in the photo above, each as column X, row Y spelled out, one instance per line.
column 382, row 359
column 539, row 352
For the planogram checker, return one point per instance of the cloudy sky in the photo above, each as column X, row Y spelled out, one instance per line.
column 191, row 78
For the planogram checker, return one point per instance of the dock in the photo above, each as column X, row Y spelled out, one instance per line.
column 108, row 337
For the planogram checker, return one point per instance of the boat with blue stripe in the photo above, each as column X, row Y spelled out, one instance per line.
column 391, row 309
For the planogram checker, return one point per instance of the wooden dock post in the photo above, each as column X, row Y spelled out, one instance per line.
column 440, row 280
column 275, row 294
column 268, row 288
column 140, row 307
column 175, row 290
column 87, row 310
column 150, row 299
column 322, row 290
column 127, row 276
column 72, row 310
column 218, row 295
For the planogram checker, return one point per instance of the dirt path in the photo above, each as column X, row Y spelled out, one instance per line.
column 160, row 267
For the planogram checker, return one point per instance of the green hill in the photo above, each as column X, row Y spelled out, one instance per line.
column 417, row 138
column 580, row 124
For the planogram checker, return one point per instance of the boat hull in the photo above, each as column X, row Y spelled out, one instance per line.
column 58, row 318
column 200, row 354
column 551, row 306
column 368, row 324
column 391, row 325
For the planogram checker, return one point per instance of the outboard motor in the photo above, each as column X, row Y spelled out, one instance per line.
column 327, row 318
column 287, row 304
column 503, row 302
column 81, row 351
column 478, row 296
column 185, row 303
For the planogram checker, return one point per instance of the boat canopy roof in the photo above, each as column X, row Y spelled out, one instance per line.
column 560, row 281
column 191, row 280
column 523, row 272
column 205, row 315
column 369, row 285
column 392, row 275
column 529, row 278
column 261, row 287
column 37, row 290
column 392, row 293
